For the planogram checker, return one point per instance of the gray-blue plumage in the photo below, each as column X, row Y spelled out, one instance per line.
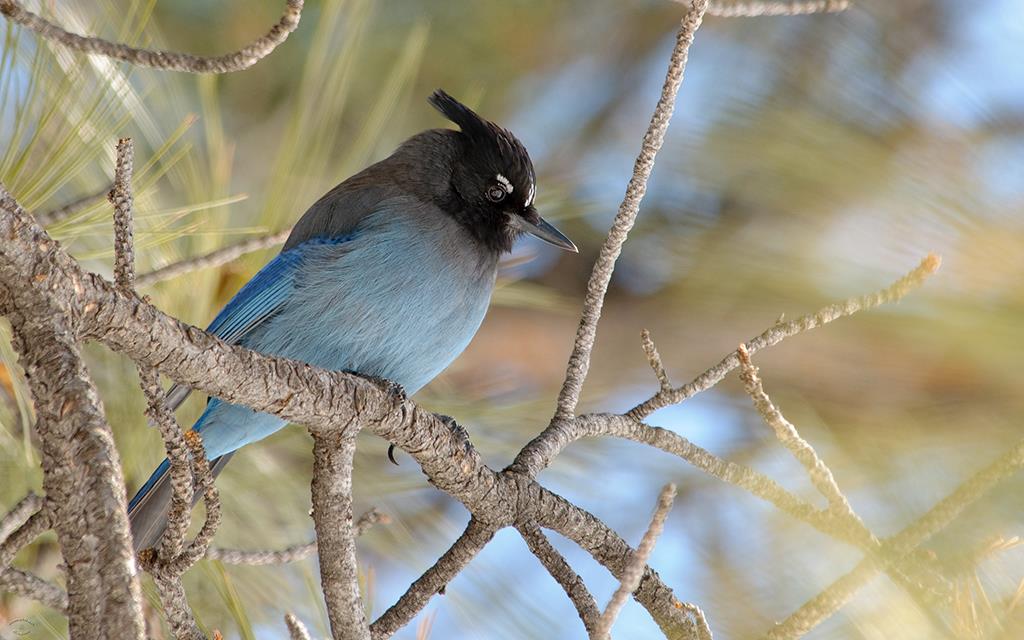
column 389, row 274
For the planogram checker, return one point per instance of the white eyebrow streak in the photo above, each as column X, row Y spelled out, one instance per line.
column 504, row 182
column 532, row 194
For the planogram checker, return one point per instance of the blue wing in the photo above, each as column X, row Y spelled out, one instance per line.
column 257, row 301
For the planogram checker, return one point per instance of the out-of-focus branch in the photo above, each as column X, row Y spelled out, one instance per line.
column 169, row 60
column 819, row 473
column 597, row 286
column 66, row 211
column 752, row 9
column 783, row 330
column 213, row 259
column 899, row 546
column 258, row 557
column 333, row 455
column 564, row 575
column 296, row 630
column 630, row 579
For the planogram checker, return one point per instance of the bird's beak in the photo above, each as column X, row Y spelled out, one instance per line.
column 546, row 232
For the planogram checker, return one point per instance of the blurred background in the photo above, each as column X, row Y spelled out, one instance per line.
column 810, row 159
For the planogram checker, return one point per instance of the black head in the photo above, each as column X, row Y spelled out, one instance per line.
column 493, row 181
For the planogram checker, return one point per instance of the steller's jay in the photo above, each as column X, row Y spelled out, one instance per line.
column 388, row 275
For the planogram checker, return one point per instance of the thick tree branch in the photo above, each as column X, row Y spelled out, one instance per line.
column 169, row 60
column 81, row 475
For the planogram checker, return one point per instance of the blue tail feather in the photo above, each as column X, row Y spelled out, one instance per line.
column 153, row 479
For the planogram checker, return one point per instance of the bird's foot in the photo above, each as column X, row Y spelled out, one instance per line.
column 458, row 431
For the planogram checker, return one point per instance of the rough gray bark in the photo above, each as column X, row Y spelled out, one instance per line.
column 82, row 470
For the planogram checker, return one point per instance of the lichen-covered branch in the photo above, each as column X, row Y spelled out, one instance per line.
column 33, row 587
column 169, row 60
column 296, row 630
column 433, row 581
column 124, row 224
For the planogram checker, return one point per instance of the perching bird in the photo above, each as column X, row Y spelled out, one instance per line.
column 389, row 275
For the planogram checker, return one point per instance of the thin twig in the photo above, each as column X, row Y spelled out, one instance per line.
column 214, row 258
column 211, row 500
column 258, row 557
column 179, row 514
column 22, row 535
column 654, row 359
column 819, row 473
column 63, row 212
column 597, row 286
column 169, row 60
column 18, row 514
column 563, row 574
column 755, row 8
column 124, row 233
column 782, row 330
column 296, row 630
column 635, row 570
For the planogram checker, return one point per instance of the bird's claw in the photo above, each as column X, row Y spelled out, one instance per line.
column 390, row 387
column 458, row 431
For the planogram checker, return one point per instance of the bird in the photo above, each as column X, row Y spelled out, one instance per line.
column 387, row 275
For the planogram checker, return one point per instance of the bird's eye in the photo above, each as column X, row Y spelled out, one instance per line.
column 495, row 193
